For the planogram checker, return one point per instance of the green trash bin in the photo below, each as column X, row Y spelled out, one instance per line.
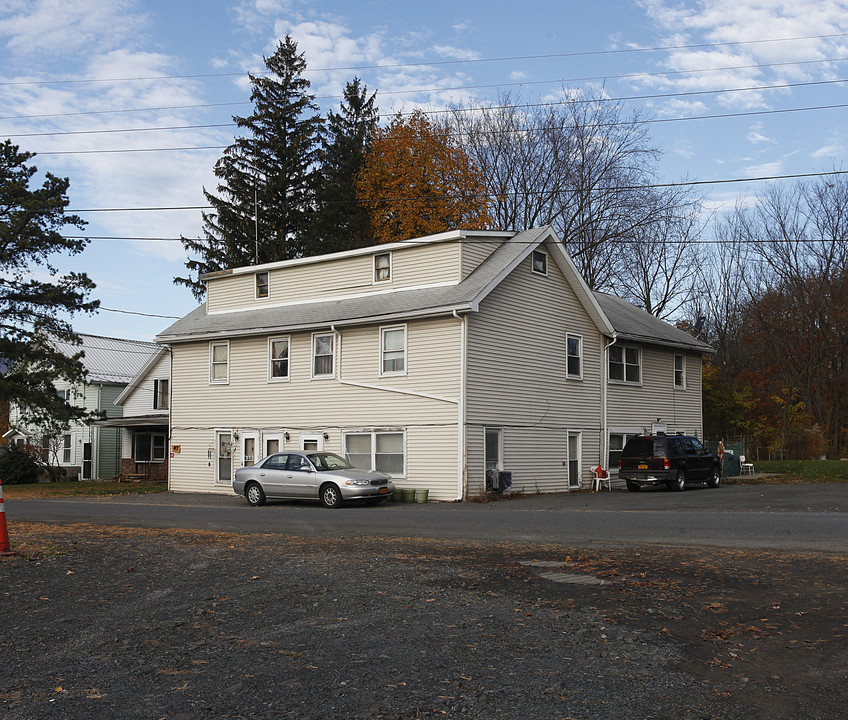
column 421, row 495
column 408, row 495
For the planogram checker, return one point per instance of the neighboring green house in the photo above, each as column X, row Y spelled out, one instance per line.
column 452, row 362
column 82, row 450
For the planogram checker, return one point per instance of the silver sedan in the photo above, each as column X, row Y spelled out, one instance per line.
column 310, row 476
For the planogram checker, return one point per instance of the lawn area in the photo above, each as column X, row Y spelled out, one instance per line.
column 803, row 471
column 79, row 489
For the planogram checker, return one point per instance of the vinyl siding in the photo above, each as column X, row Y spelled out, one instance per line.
column 140, row 400
column 635, row 407
column 413, row 266
column 475, row 250
column 306, row 406
column 517, row 380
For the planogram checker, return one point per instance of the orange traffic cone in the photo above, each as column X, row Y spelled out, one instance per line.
column 5, row 546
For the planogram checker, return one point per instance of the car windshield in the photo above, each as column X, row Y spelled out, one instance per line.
column 329, row 461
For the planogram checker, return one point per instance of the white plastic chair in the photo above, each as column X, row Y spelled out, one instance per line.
column 746, row 468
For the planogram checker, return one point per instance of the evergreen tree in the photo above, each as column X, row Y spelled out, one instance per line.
column 341, row 222
column 267, row 177
column 34, row 310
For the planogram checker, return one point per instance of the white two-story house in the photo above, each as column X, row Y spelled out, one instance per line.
column 435, row 359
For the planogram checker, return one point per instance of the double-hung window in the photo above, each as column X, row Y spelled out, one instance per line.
column 625, row 364
column 383, row 267
column 219, row 362
column 380, row 451
column 680, row 372
column 160, row 394
column 323, row 354
column 393, row 351
column 278, row 359
column 67, row 449
column 574, row 356
column 148, row 447
column 262, row 285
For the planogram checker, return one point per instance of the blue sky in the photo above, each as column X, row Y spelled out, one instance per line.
column 76, row 75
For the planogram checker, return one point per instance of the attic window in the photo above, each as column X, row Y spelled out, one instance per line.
column 540, row 262
column 383, row 267
column 261, row 285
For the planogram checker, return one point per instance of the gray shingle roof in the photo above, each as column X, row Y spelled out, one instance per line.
column 628, row 321
column 632, row 323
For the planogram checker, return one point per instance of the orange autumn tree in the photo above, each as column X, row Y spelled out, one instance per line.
column 417, row 180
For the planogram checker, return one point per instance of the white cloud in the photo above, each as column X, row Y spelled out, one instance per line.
column 755, row 135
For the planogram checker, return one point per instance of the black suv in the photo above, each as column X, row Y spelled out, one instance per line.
column 671, row 460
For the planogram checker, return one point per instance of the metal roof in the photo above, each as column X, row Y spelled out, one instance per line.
column 110, row 360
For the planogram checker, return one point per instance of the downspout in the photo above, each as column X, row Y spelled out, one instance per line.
column 170, row 412
column 604, row 460
column 460, row 419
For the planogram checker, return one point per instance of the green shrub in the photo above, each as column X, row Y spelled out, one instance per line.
column 17, row 467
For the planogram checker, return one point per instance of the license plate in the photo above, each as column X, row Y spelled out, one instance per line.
column 643, row 467
column 384, row 491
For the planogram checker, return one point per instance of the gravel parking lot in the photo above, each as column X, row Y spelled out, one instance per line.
column 123, row 623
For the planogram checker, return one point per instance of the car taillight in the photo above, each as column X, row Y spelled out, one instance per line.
column 619, row 464
column 666, row 464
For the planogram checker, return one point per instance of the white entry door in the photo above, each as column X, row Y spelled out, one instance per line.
column 249, row 449
column 224, row 457
column 271, row 443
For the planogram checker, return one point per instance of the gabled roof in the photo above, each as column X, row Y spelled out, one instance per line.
column 392, row 306
column 632, row 323
column 110, row 360
column 140, row 375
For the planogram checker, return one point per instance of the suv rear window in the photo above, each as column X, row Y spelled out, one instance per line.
column 644, row 447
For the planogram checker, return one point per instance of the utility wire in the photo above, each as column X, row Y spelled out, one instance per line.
column 687, row 183
column 385, row 66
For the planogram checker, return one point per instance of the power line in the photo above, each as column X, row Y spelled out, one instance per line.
column 385, row 66
column 647, row 186
column 133, row 312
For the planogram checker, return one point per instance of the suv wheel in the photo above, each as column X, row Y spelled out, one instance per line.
column 679, row 481
column 715, row 478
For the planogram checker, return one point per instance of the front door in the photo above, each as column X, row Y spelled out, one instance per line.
column 573, row 459
column 271, row 443
column 86, row 461
column 224, row 452
column 249, row 446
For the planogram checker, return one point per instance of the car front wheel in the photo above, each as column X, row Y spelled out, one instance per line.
column 255, row 495
column 331, row 496
column 679, row 481
column 715, row 479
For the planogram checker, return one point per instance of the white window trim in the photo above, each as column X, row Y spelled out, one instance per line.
column 625, row 381
column 373, row 433
column 317, row 438
column 212, row 345
column 329, row 376
column 403, row 372
column 270, row 357
column 374, row 280
column 256, row 295
column 579, row 338
column 69, row 447
column 533, row 264
column 626, row 434
column 683, row 371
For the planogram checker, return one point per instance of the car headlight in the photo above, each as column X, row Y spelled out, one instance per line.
column 357, row 482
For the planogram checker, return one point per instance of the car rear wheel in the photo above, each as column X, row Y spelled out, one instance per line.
column 679, row 481
column 254, row 494
column 715, row 479
column 331, row 496
column 632, row 486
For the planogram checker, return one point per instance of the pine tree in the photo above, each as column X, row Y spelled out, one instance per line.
column 268, row 177
column 35, row 301
column 341, row 222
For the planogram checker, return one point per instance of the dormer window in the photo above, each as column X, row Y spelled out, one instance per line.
column 261, row 285
column 540, row 262
column 383, row 267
